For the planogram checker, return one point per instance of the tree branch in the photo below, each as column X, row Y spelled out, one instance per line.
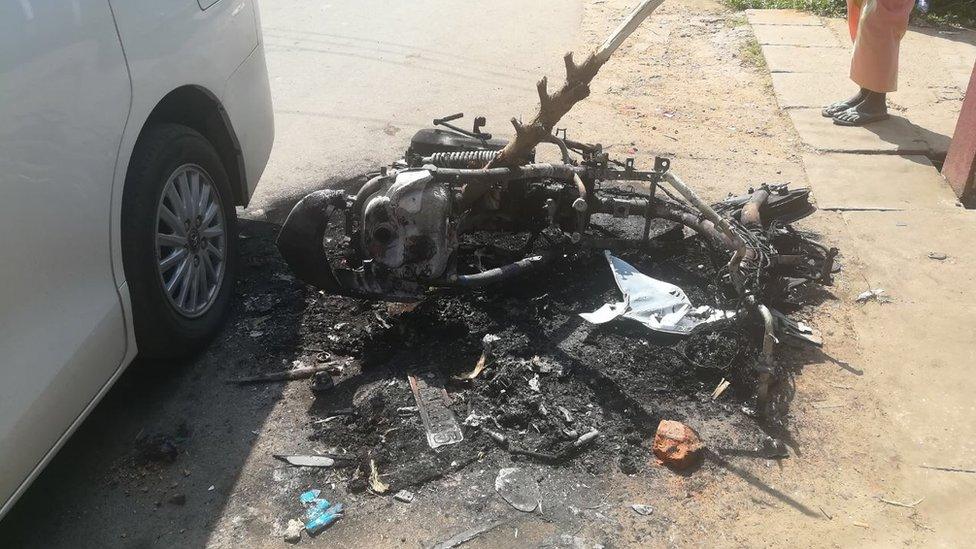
column 552, row 107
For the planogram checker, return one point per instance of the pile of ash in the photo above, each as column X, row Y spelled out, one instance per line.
column 550, row 379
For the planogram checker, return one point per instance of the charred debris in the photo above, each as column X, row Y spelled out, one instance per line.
column 456, row 275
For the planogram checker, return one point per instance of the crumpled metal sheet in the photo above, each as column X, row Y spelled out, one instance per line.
column 659, row 305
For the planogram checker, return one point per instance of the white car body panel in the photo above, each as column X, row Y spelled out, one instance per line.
column 247, row 107
column 62, row 333
column 78, row 81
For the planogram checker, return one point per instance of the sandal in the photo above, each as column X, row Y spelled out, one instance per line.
column 834, row 108
column 852, row 117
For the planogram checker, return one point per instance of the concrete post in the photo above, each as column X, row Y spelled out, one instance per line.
column 960, row 164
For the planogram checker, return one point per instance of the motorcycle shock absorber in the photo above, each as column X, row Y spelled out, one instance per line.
column 461, row 159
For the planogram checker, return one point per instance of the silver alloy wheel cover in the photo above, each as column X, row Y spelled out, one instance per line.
column 190, row 241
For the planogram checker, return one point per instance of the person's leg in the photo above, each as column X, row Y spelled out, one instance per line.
column 874, row 65
column 853, row 18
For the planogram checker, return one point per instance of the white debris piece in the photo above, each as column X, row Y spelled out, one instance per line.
column 293, row 533
column 306, row 461
column 475, row 419
column 488, row 341
column 660, row 306
column 642, row 509
column 876, row 294
column 519, row 488
column 403, row 495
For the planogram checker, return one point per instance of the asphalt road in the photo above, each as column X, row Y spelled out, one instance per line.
column 352, row 81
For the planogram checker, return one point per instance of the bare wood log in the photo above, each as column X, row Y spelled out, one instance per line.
column 552, row 107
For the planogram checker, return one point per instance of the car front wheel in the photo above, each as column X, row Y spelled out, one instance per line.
column 178, row 241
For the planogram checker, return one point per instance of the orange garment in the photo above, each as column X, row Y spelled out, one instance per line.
column 877, row 27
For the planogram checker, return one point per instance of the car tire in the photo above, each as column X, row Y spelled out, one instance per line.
column 179, row 241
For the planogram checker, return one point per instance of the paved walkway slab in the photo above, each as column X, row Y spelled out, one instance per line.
column 882, row 182
column 894, row 249
column 933, row 297
column 935, row 125
column 805, row 59
column 797, row 89
column 782, row 17
column 895, row 135
column 920, row 345
column 795, row 35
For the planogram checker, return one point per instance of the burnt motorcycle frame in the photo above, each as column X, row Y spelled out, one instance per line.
column 550, row 201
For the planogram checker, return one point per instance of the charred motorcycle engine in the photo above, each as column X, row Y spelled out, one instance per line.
column 406, row 225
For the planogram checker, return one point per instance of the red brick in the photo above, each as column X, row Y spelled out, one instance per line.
column 677, row 445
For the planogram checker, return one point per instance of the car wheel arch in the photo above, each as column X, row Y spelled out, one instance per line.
column 198, row 108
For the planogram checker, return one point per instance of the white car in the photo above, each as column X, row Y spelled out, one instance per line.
column 129, row 130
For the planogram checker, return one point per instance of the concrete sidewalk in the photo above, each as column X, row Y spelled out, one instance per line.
column 906, row 233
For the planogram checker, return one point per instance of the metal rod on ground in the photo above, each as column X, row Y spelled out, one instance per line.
column 503, row 441
column 288, row 375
